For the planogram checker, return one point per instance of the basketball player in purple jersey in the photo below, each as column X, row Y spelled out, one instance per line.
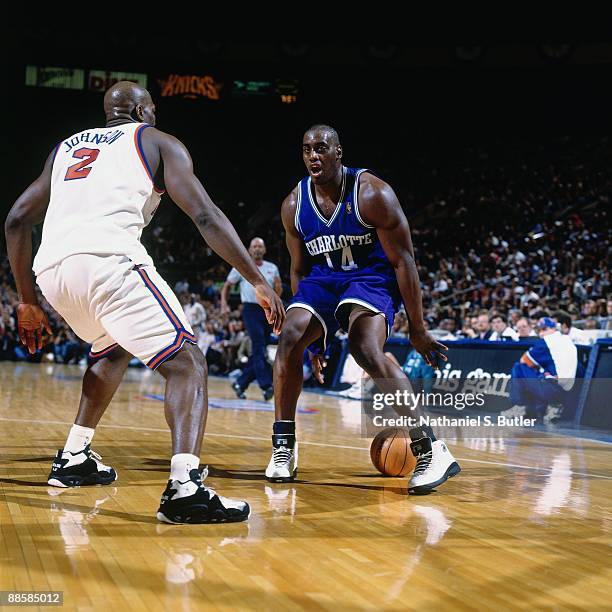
column 352, row 263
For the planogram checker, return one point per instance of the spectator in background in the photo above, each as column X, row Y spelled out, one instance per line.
column 67, row 347
column 524, row 329
column 589, row 308
column 209, row 292
column 608, row 321
column 196, row 315
column 207, row 338
column 181, row 287
column 565, row 326
column 447, row 326
column 8, row 334
column 483, row 326
column 515, row 315
column 501, row 330
column 529, row 295
column 468, row 330
column 591, row 323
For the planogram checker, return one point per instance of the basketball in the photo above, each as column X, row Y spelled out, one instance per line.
column 391, row 454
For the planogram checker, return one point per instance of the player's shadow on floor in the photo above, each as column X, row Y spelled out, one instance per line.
column 258, row 475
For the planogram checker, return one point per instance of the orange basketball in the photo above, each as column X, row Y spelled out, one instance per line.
column 391, row 454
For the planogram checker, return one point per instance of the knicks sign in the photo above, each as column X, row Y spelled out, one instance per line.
column 190, row 86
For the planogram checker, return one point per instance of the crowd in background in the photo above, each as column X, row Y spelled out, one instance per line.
column 503, row 236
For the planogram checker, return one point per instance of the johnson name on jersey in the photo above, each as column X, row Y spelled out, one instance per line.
column 102, row 196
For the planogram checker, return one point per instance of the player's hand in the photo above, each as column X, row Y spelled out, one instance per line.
column 224, row 308
column 272, row 305
column 318, row 363
column 31, row 321
column 429, row 348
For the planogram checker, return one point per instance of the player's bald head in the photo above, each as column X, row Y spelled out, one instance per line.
column 124, row 97
column 257, row 248
column 327, row 132
column 257, row 241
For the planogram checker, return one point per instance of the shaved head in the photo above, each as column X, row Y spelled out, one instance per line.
column 322, row 154
column 332, row 136
column 257, row 248
column 129, row 100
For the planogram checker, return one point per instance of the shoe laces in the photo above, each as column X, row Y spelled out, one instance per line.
column 98, row 459
column 282, row 455
column 423, row 462
column 202, row 475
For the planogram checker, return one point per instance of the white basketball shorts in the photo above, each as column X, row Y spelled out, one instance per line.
column 109, row 301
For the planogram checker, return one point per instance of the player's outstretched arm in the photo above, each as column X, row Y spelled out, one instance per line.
column 380, row 207
column 29, row 210
column 189, row 194
column 300, row 266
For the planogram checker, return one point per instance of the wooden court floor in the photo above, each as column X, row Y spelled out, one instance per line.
column 526, row 525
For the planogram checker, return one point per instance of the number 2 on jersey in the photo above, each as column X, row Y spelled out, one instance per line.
column 80, row 170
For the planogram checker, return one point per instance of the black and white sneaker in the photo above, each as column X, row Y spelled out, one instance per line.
column 80, row 469
column 240, row 394
column 192, row 502
column 268, row 393
column 434, row 465
column 283, row 465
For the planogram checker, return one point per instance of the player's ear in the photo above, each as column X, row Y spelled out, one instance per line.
column 339, row 151
column 138, row 112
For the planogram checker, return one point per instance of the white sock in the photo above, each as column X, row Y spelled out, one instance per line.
column 78, row 438
column 181, row 464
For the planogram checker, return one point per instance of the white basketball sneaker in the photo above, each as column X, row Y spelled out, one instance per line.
column 434, row 466
column 283, row 464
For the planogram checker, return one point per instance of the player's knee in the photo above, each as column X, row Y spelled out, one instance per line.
column 290, row 340
column 188, row 362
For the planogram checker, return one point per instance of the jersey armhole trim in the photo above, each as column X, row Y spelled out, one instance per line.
column 141, row 154
column 356, row 198
column 57, row 146
column 298, row 206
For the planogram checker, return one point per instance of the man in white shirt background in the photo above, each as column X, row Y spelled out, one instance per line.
column 255, row 321
column 565, row 327
column 501, row 329
column 196, row 315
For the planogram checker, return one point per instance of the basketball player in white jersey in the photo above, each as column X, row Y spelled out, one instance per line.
column 96, row 193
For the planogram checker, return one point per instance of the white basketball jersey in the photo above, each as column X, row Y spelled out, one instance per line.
column 102, row 196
